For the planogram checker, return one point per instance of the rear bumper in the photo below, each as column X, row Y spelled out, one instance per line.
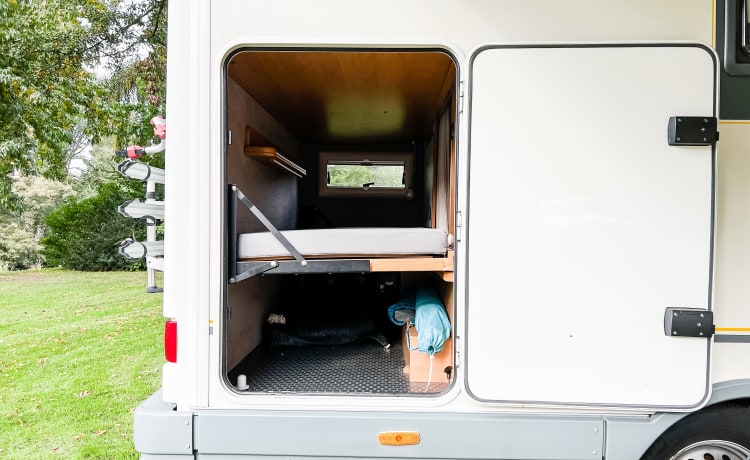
column 158, row 429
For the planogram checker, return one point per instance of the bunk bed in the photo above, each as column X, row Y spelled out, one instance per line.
column 332, row 250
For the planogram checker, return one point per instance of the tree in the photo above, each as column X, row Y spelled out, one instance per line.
column 18, row 247
column 77, row 150
column 52, row 103
column 39, row 197
column 138, row 72
column 22, row 228
column 84, row 234
column 53, row 106
column 45, row 89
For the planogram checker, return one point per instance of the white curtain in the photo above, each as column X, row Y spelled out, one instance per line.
column 443, row 167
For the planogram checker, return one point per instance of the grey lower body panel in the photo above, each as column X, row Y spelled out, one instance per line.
column 162, row 432
column 308, row 434
column 286, row 457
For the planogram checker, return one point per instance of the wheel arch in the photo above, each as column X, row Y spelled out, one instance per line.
column 628, row 439
column 730, row 391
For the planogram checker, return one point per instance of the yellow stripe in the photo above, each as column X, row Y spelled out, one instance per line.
column 733, row 329
column 713, row 24
column 734, row 122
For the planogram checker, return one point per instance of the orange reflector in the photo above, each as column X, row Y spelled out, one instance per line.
column 399, row 438
column 170, row 340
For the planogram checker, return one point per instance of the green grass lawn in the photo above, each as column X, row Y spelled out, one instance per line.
column 78, row 352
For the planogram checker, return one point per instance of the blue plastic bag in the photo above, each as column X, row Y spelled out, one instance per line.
column 431, row 321
column 422, row 307
column 403, row 311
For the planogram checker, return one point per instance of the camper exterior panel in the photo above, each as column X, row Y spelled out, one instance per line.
column 202, row 34
column 465, row 25
column 732, row 291
column 585, row 225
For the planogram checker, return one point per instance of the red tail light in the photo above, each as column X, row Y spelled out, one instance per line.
column 170, row 340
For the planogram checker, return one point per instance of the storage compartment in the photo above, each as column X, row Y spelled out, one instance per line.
column 332, row 334
column 336, row 153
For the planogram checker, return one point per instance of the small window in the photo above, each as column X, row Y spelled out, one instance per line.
column 360, row 174
column 376, row 174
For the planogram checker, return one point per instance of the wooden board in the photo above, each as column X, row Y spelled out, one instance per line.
column 270, row 155
column 413, row 264
column 334, row 97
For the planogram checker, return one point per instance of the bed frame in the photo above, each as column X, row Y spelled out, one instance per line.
column 294, row 262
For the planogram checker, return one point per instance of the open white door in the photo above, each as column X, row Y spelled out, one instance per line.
column 584, row 225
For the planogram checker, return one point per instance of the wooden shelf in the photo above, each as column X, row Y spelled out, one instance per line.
column 271, row 156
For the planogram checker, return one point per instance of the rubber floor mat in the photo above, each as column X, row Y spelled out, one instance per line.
column 356, row 368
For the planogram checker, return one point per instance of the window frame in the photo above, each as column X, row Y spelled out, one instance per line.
column 327, row 157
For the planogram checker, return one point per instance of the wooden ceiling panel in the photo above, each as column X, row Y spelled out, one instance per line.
column 347, row 97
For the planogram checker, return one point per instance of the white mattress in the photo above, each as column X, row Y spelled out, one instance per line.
column 337, row 242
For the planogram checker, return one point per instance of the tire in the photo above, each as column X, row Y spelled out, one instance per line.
column 717, row 433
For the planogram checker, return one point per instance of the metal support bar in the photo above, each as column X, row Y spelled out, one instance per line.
column 284, row 267
column 267, row 223
column 239, row 271
column 255, row 269
column 151, row 237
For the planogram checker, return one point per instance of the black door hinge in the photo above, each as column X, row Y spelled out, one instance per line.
column 692, row 131
column 688, row 322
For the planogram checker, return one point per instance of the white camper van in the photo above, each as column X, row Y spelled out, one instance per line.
column 455, row 229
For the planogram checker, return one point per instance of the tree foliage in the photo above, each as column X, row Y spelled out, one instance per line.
column 18, row 247
column 49, row 94
column 74, row 73
column 39, row 196
column 138, row 69
column 84, row 234
column 22, row 228
column 44, row 86
column 359, row 175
